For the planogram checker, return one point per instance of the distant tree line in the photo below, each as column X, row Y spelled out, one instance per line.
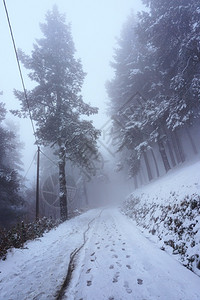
column 155, row 92
column 11, row 200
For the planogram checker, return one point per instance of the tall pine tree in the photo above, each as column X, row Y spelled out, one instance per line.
column 56, row 103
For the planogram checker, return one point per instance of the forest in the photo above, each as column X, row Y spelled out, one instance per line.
column 153, row 105
column 154, row 95
column 107, row 205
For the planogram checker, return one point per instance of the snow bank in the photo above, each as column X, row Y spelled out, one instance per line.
column 38, row 271
column 168, row 212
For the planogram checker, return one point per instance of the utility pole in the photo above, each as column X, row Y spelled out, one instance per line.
column 38, row 183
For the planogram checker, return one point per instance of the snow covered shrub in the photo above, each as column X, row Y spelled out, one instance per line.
column 129, row 205
column 19, row 234
column 176, row 226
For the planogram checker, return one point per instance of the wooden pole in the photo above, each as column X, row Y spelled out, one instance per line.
column 38, row 183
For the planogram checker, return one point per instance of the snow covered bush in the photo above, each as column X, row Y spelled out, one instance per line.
column 19, row 234
column 176, row 226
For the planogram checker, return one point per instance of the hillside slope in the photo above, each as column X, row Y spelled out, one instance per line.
column 168, row 212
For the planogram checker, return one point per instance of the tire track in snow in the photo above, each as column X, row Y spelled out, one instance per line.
column 59, row 295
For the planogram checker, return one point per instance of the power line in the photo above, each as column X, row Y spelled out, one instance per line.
column 30, row 166
column 49, row 158
column 19, row 67
column 28, row 107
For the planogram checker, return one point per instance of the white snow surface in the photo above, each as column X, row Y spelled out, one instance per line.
column 165, row 212
column 116, row 262
column 39, row 270
column 183, row 181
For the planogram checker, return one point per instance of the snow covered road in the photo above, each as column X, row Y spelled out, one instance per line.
column 116, row 262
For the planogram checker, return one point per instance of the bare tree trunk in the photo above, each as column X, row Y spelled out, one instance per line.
column 179, row 146
column 136, row 182
column 164, row 155
column 174, row 143
column 140, row 177
column 85, row 192
column 62, row 182
column 171, row 154
column 191, row 141
column 173, row 161
column 156, row 165
column 150, row 177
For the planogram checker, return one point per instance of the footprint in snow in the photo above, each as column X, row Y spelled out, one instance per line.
column 128, row 266
column 88, row 271
column 126, row 285
column 115, row 256
column 123, row 249
column 111, row 267
column 89, row 282
column 115, row 278
column 92, row 254
column 139, row 281
column 118, row 263
column 106, row 246
column 111, row 298
column 92, row 260
column 127, row 256
column 112, row 250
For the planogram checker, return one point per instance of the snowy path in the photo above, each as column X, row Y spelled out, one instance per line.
column 116, row 262
column 39, row 271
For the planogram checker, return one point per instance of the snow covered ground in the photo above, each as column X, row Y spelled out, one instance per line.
column 38, row 271
column 168, row 212
column 116, row 262
column 182, row 181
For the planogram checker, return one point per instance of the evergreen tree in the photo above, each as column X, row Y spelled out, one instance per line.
column 161, row 62
column 55, row 102
column 127, row 105
column 11, row 202
column 172, row 28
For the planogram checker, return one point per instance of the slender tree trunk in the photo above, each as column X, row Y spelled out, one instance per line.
column 164, row 156
column 174, row 143
column 150, row 177
column 170, row 148
column 62, row 182
column 140, row 177
column 156, row 165
column 171, row 154
column 191, row 141
column 136, row 182
column 179, row 145
column 85, row 192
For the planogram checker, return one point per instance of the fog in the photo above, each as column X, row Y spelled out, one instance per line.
column 99, row 185
column 95, row 26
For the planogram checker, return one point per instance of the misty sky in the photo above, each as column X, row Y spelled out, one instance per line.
column 95, row 26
